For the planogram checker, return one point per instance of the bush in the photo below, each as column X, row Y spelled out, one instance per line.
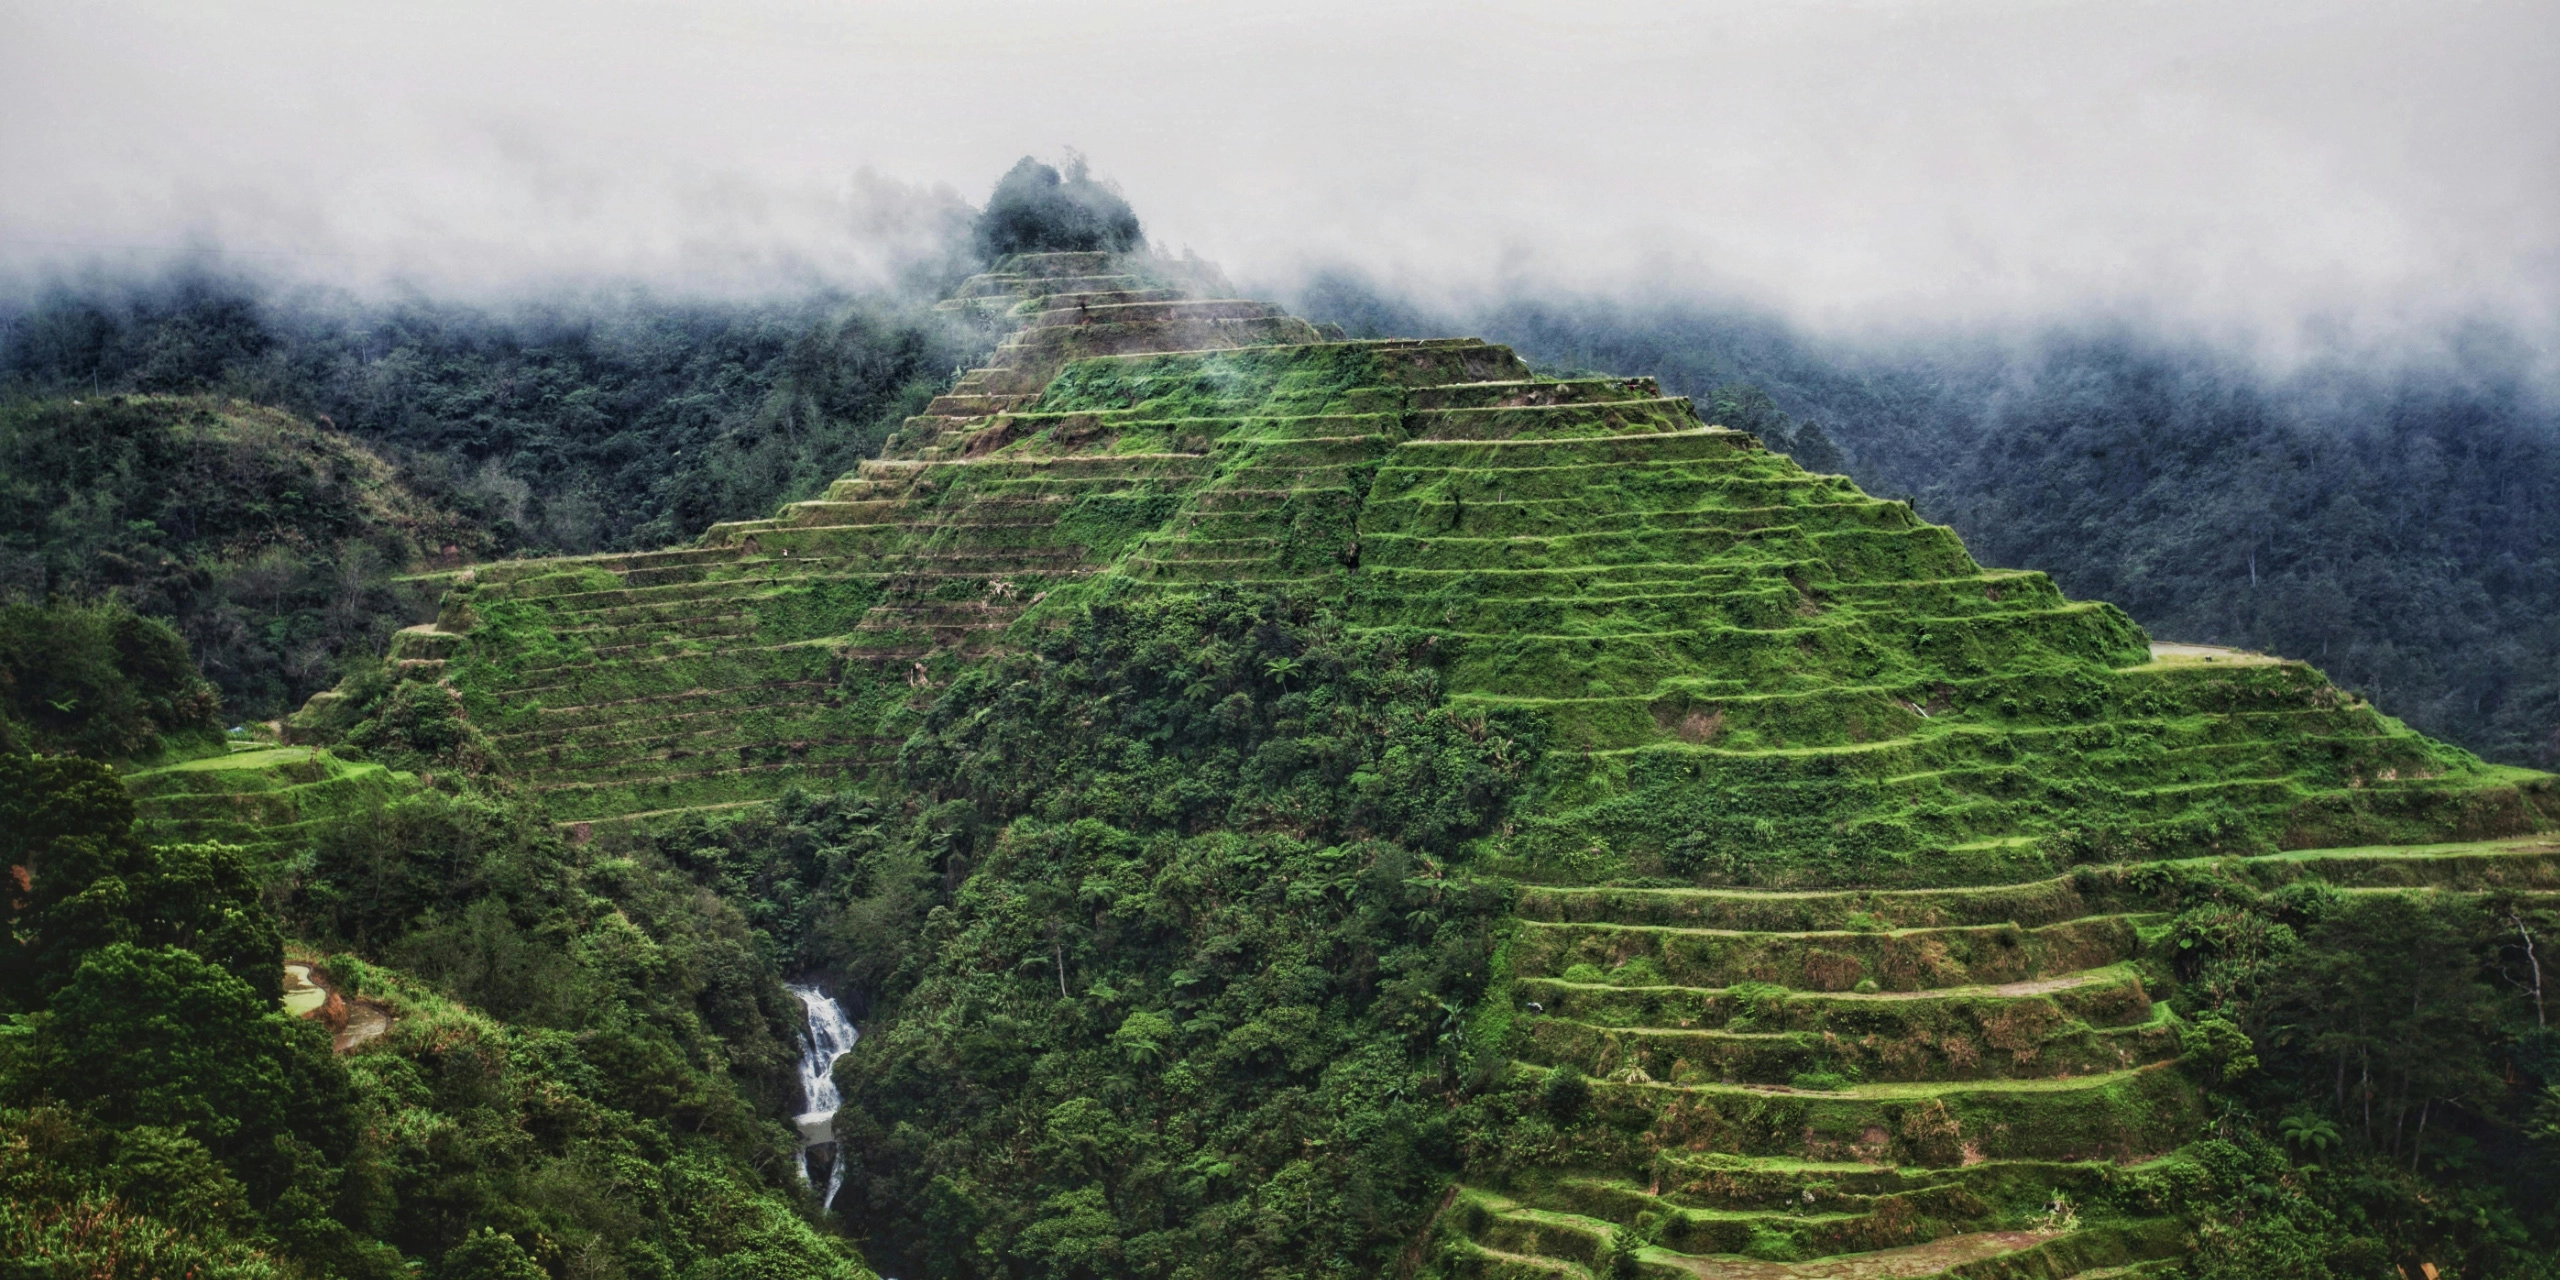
column 97, row 680
column 1035, row 209
column 1564, row 1092
column 162, row 1037
column 91, row 883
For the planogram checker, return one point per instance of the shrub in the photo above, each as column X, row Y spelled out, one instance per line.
column 97, row 680
column 1036, row 209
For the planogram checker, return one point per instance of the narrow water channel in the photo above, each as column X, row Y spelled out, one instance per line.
column 830, row 1035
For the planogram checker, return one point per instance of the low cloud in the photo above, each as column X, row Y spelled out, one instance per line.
column 2270, row 173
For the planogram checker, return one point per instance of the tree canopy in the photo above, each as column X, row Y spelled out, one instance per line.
column 1198, row 1003
column 1038, row 209
column 92, row 884
column 98, row 680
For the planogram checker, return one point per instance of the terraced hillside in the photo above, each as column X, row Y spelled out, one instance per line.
column 719, row 675
column 259, row 795
column 1975, row 1081
column 1845, row 889
column 1759, row 675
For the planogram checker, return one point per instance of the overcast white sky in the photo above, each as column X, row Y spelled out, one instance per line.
column 2229, row 166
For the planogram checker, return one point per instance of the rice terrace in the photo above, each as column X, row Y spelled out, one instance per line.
column 665, row 720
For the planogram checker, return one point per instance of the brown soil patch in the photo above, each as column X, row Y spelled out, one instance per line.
column 1929, row 1259
column 365, row 1021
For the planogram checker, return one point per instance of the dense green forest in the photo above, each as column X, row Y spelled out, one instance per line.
column 615, row 420
column 269, row 544
column 2398, row 526
column 586, row 1054
column 1166, row 933
column 2349, row 1023
column 98, row 680
column 1209, row 962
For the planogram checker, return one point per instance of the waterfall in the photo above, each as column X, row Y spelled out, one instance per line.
column 830, row 1035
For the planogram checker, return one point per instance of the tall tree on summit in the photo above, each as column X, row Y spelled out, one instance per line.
column 1036, row 209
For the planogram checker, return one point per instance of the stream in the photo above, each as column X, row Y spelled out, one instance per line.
column 830, row 1035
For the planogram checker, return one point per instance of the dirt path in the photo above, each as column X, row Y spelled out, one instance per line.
column 2034, row 987
column 2166, row 651
column 1929, row 1259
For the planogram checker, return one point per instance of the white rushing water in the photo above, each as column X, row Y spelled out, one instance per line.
column 830, row 1035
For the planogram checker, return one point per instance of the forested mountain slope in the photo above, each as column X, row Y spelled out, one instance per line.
column 546, row 1062
column 269, row 543
column 529, row 1064
column 612, row 420
column 1294, row 772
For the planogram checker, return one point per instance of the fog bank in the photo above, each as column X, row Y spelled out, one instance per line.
column 2273, row 174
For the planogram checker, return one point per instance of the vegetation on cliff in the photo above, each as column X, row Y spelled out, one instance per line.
column 1198, row 1002
column 614, row 420
column 269, row 544
column 1037, row 209
column 581, row 1078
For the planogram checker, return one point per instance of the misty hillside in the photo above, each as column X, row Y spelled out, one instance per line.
column 571, row 424
column 270, row 544
column 2398, row 528
column 1640, row 641
column 1196, row 795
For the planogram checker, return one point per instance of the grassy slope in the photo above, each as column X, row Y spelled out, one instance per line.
column 261, row 796
column 1754, row 678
